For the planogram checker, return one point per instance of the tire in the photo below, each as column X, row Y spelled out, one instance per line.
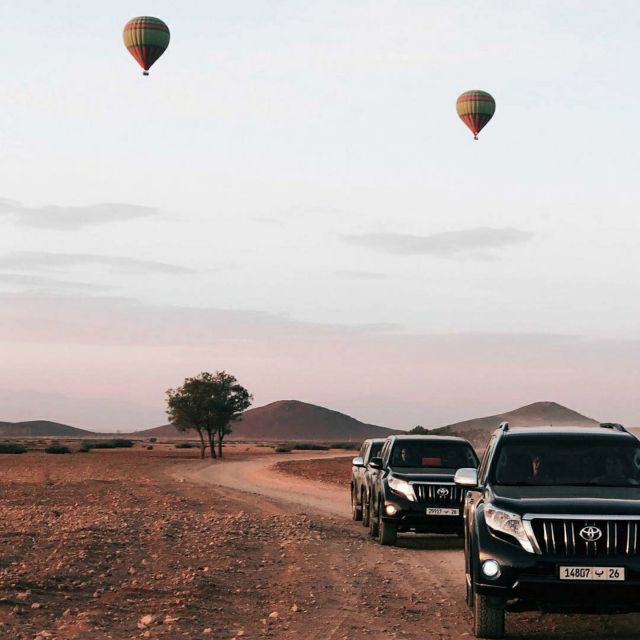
column 365, row 511
column 488, row 622
column 373, row 520
column 469, row 584
column 387, row 531
column 469, row 593
column 356, row 511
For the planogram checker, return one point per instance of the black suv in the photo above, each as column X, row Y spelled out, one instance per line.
column 359, row 485
column 412, row 486
column 552, row 522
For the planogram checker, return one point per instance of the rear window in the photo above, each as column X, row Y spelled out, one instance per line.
column 422, row 454
column 568, row 460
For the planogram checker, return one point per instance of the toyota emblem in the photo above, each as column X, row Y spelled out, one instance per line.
column 442, row 492
column 590, row 533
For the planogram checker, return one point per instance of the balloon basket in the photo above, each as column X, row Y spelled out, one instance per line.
column 145, row 73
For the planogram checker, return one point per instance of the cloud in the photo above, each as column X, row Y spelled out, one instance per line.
column 42, row 282
column 37, row 261
column 73, row 217
column 75, row 319
column 361, row 275
column 470, row 243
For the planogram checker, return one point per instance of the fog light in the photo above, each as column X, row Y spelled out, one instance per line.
column 491, row 569
column 391, row 509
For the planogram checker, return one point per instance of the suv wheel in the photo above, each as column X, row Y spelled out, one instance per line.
column 488, row 622
column 469, row 595
column 365, row 510
column 373, row 519
column 356, row 510
column 387, row 531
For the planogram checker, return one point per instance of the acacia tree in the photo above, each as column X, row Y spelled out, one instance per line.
column 208, row 403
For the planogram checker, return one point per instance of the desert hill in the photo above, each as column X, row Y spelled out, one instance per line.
column 538, row 414
column 290, row 420
column 41, row 429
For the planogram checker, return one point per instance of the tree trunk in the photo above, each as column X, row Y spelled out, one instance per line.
column 220, row 436
column 212, row 443
column 203, row 446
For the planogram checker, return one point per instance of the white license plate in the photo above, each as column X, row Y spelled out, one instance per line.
column 440, row 511
column 614, row 574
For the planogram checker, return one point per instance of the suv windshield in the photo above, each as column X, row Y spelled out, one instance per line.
column 568, row 460
column 421, row 454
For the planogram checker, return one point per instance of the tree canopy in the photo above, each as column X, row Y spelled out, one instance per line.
column 209, row 404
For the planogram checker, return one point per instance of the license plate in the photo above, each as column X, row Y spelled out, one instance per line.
column 614, row 574
column 441, row 511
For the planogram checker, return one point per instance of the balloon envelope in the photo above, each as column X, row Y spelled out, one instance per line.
column 475, row 109
column 146, row 38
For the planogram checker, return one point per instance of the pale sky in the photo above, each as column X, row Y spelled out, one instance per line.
column 290, row 196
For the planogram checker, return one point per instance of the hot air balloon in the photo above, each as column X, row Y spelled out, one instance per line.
column 147, row 39
column 475, row 109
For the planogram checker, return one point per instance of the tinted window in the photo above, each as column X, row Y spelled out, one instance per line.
column 568, row 460
column 376, row 448
column 422, row 454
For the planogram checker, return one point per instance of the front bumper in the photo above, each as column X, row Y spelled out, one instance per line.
column 535, row 581
column 412, row 517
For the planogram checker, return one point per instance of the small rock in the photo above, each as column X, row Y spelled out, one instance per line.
column 146, row 621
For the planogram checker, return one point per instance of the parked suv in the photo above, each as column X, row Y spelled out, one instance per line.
column 412, row 486
column 359, row 486
column 552, row 519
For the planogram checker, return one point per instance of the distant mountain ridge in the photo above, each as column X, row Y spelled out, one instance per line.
column 538, row 414
column 290, row 420
column 294, row 420
column 41, row 428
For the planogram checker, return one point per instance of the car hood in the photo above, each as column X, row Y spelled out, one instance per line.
column 567, row 500
column 423, row 475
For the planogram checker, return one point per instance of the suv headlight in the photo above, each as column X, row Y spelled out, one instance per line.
column 402, row 487
column 509, row 523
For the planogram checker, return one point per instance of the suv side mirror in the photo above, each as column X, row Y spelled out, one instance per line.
column 358, row 461
column 375, row 463
column 466, row 478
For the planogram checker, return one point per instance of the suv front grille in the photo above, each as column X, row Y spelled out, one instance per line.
column 439, row 493
column 570, row 537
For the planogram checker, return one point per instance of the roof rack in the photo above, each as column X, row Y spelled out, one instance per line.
column 616, row 426
column 504, row 426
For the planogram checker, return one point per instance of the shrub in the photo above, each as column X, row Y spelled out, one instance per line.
column 119, row 443
column 57, row 448
column 284, row 448
column 349, row 446
column 106, row 444
column 149, row 446
column 186, row 445
column 309, row 446
column 153, row 439
column 12, row 447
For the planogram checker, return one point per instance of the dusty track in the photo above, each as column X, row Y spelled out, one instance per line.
column 414, row 590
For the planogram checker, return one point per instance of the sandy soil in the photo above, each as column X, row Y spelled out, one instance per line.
column 333, row 470
column 134, row 544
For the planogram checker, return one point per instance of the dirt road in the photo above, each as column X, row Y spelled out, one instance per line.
column 359, row 589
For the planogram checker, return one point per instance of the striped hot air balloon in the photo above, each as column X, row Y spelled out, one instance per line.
column 475, row 109
column 146, row 38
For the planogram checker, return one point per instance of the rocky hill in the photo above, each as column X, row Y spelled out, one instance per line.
column 538, row 414
column 41, row 429
column 291, row 420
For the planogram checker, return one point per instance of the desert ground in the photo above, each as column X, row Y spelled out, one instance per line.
column 156, row 543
